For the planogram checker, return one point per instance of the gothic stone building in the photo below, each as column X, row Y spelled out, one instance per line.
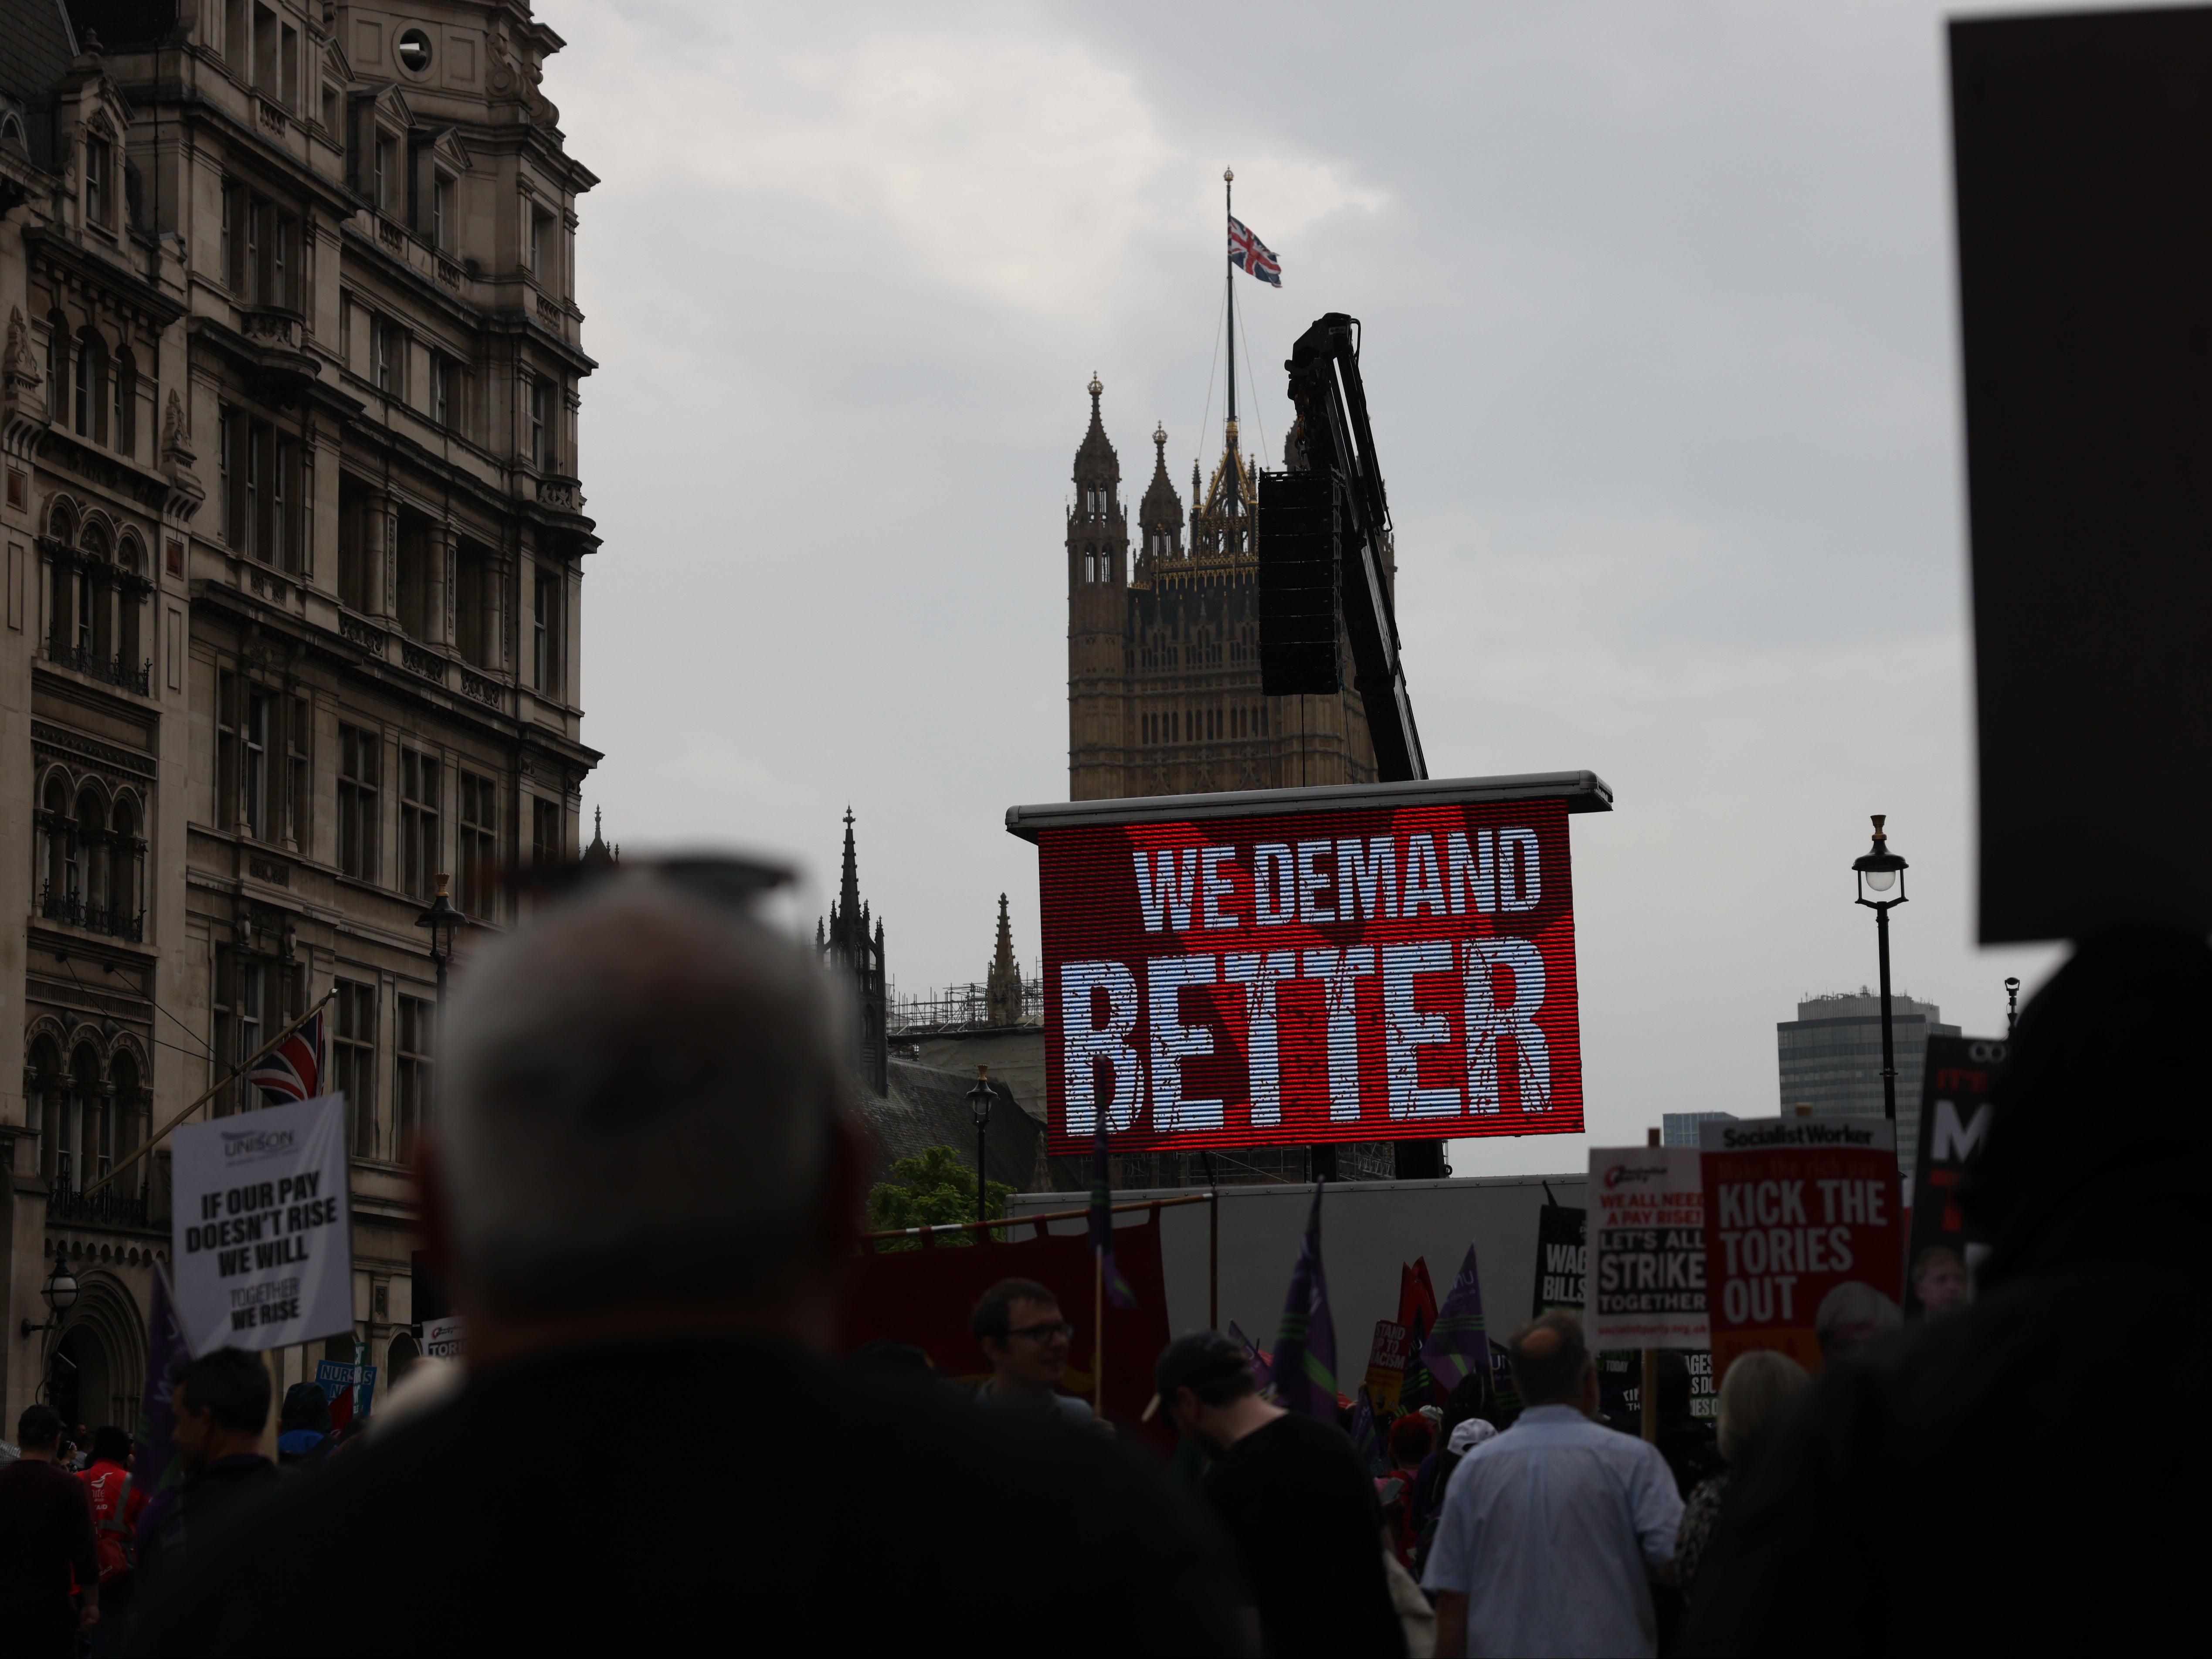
column 293, row 544
column 1164, row 691
column 1164, row 648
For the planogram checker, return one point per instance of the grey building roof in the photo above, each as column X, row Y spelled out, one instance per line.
column 37, row 44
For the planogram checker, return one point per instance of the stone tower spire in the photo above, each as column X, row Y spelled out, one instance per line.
column 1003, row 991
column 1159, row 515
column 849, row 948
column 1098, row 613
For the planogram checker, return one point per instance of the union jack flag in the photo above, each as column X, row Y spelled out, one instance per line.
column 293, row 1070
column 1250, row 255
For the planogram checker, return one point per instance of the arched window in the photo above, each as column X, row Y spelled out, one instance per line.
column 127, row 873
column 91, row 385
column 80, row 1102
column 91, row 838
column 54, row 832
column 130, row 596
column 45, row 1065
column 124, row 425
column 57, row 363
column 72, row 883
column 119, row 1129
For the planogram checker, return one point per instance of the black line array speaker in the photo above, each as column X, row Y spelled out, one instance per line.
column 1300, row 615
column 2083, row 150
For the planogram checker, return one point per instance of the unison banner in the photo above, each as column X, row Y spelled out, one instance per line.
column 260, row 1241
column 1647, row 1245
column 1361, row 974
column 1796, row 1208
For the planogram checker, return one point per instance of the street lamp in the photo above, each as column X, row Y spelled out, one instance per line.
column 979, row 1104
column 1880, row 870
column 444, row 921
column 59, row 1292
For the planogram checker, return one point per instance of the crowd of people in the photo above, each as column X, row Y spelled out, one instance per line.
column 644, row 1186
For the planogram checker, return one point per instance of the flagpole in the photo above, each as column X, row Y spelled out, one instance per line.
column 1229, row 207
column 244, row 1067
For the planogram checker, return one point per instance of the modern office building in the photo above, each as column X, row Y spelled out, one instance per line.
column 1831, row 1058
column 1681, row 1128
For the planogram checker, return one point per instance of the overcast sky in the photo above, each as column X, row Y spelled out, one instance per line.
column 1659, row 344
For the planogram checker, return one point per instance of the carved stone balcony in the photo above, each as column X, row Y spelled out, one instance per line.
column 560, row 495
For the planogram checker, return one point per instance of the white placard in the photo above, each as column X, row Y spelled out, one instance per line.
column 1646, row 1285
column 441, row 1338
column 261, row 1246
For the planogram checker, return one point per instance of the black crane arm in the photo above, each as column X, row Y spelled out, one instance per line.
column 1332, row 405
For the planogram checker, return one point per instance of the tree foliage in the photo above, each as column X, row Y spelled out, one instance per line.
column 933, row 1190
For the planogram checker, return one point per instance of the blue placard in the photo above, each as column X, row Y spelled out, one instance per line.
column 335, row 1376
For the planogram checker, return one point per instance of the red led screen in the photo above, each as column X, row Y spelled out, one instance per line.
column 1373, row 974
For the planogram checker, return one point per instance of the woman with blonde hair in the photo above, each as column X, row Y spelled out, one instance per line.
column 1756, row 1395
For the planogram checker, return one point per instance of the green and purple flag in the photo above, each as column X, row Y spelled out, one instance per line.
column 1305, row 1348
column 1459, row 1347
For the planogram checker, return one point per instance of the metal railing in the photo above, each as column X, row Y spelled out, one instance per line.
column 72, row 908
column 114, row 670
column 116, row 1204
column 961, row 1005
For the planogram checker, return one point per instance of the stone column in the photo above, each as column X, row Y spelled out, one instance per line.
column 379, row 562
column 438, row 584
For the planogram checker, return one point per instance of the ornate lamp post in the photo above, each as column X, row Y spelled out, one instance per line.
column 444, row 919
column 980, row 1099
column 1880, row 870
column 59, row 1293
column 2012, row 1005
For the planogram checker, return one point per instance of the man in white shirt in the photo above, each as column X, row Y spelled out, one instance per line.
column 1553, row 1532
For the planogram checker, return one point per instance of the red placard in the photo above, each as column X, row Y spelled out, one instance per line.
column 1367, row 973
column 1796, row 1208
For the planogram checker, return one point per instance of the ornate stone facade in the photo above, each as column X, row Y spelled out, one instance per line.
column 293, row 545
column 1164, row 650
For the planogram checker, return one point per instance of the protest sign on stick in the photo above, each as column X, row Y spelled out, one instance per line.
column 1647, row 1249
column 1386, row 1363
column 261, row 1241
column 1559, row 1230
column 1796, row 1207
column 1955, row 1113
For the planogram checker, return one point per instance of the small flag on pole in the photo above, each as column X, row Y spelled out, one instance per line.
column 1305, row 1351
column 293, row 1070
column 1459, row 1347
column 153, row 1468
column 1366, row 1439
column 1102, row 1224
column 1250, row 255
column 1262, row 1370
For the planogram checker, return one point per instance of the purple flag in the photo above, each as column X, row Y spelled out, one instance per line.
column 1459, row 1347
column 1102, row 1224
column 1305, row 1349
column 1366, row 1439
column 1262, row 1374
column 153, row 1467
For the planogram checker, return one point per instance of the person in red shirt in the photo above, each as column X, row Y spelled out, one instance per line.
column 116, row 1505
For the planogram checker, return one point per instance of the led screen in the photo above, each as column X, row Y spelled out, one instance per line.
column 1373, row 974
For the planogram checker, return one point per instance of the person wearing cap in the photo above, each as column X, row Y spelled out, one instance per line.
column 1299, row 1505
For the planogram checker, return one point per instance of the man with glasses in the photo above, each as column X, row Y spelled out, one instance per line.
column 1024, row 1336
